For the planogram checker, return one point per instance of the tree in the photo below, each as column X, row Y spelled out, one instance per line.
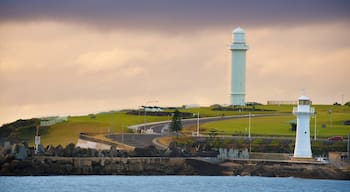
column 176, row 123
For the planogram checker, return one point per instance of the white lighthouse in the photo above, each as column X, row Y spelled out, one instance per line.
column 238, row 49
column 303, row 112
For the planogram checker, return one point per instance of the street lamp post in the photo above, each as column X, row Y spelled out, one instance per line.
column 250, row 124
column 315, row 127
column 330, row 118
column 122, row 133
column 197, row 124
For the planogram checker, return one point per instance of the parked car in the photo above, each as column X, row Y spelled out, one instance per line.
column 335, row 138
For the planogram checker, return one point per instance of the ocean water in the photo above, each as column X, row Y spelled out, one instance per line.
column 168, row 184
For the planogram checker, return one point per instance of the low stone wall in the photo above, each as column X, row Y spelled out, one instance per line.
column 272, row 156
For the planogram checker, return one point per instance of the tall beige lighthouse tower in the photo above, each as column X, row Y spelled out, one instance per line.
column 238, row 49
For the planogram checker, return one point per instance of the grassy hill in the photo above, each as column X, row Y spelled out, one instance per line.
column 67, row 132
column 279, row 126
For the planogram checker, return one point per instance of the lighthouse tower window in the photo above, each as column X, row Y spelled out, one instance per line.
column 304, row 102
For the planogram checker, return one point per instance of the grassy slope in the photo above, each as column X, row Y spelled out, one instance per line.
column 67, row 132
column 208, row 112
column 280, row 126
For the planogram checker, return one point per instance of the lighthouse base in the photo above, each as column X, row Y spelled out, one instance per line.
column 309, row 159
column 237, row 99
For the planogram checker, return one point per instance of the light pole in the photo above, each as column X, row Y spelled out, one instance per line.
column 122, row 133
column 250, row 124
column 197, row 124
column 315, row 127
column 330, row 118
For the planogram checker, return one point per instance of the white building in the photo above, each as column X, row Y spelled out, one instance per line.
column 152, row 108
column 303, row 112
column 238, row 70
column 48, row 121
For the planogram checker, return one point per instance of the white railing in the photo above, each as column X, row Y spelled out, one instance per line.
column 295, row 111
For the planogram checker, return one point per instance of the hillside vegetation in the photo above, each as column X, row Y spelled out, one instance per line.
column 328, row 123
column 114, row 122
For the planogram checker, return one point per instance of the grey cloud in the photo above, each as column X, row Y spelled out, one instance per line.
column 169, row 15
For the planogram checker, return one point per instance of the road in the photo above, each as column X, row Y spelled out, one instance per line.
column 144, row 140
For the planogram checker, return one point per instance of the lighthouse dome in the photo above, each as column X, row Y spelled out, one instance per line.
column 304, row 98
column 238, row 30
column 238, row 35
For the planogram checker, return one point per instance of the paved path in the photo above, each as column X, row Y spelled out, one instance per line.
column 144, row 140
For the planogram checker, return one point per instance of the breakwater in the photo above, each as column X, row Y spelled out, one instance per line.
column 167, row 166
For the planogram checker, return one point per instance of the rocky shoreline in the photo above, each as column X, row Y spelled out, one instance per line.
column 166, row 166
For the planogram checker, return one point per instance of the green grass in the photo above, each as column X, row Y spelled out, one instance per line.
column 208, row 112
column 68, row 132
column 279, row 126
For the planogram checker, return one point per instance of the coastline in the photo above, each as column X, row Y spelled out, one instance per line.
column 44, row 166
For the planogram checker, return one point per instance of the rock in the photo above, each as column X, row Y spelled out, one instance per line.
column 41, row 149
column 69, row 150
column 83, row 152
column 30, row 151
column 50, row 150
column 7, row 145
column 113, row 152
column 25, row 143
column 100, row 154
column 76, row 152
column 6, row 149
column 14, row 149
column 21, row 154
column 245, row 154
column 59, row 151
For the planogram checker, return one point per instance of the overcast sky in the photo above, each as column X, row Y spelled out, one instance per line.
column 84, row 56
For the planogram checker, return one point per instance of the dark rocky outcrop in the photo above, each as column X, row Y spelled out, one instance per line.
column 96, row 166
column 287, row 169
column 165, row 166
column 20, row 159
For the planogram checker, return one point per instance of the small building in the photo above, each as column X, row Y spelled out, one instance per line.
column 152, row 108
column 48, row 121
column 336, row 157
column 190, row 106
column 281, row 102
